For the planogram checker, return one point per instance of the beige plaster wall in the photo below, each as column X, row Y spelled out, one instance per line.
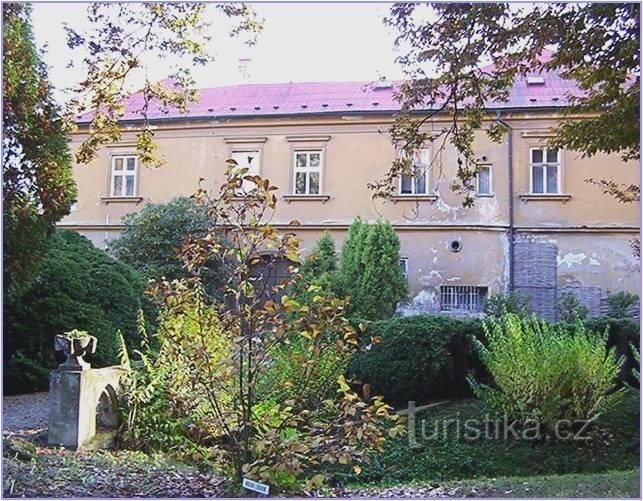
column 358, row 151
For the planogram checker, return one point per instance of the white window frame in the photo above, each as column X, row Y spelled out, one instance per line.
column 543, row 165
column 256, row 170
column 405, row 268
column 307, row 170
column 490, row 192
column 425, row 153
column 123, row 174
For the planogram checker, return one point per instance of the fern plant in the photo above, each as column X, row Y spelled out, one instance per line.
column 636, row 372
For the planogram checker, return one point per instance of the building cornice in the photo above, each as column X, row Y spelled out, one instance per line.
column 402, row 227
column 326, row 118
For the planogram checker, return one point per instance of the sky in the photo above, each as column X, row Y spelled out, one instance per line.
column 299, row 43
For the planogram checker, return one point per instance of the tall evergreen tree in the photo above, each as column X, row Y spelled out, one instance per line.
column 319, row 267
column 370, row 271
column 38, row 188
column 322, row 259
column 351, row 261
column 382, row 284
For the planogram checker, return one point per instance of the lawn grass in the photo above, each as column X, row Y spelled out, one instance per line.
column 614, row 447
column 614, row 484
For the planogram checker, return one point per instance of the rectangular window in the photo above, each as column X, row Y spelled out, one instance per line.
column 545, row 170
column 250, row 160
column 483, row 180
column 123, row 179
column 417, row 182
column 307, row 172
column 462, row 298
column 404, row 265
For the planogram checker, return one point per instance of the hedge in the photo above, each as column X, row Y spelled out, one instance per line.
column 419, row 358
column 76, row 286
column 427, row 357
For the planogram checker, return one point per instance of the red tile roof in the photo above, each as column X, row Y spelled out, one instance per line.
column 263, row 100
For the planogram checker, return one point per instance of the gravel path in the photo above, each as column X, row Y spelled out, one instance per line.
column 31, row 468
column 25, row 414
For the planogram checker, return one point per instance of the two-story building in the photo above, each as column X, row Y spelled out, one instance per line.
column 537, row 226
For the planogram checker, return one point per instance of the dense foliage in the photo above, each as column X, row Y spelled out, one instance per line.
column 613, row 444
column 461, row 58
column 621, row 304
column 76, row 286
column 37, row 185
column 152, row 239
column 426, row 357
column 253, row 383
column 419, row 358
column 318, row 268
column 382, row 285
column 498, row 304
column 570, row 308
column 370, row 272
column 544, row 373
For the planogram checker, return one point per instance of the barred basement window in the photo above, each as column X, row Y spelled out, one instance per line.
column 462, row 297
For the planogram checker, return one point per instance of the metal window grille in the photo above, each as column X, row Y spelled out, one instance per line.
column 462, row 297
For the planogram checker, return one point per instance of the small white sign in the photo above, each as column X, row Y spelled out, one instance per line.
column 251, row 485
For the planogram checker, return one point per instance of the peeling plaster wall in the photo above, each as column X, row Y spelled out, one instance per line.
column 590, row 265
column 589, row 229
column 480, row 262
column 594, row 260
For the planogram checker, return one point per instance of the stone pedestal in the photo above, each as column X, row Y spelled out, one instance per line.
column 73, row 400
column 75, row 390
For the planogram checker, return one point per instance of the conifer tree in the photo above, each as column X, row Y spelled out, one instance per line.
column 322, row 259
column 351, row 265
column 370, row 271
column 319, row 268
column 381, row 284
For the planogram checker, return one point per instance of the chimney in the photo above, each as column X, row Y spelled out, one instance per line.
column 243, row 67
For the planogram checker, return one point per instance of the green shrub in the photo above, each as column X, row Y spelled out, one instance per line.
column 621, row 331
column 318, row 268
column 546, row 373
column 286, row 381
column 397, row 366
column 620, row 303
column 76, row 286
column 382, row 284
column 621, row 334
column 570, row 308
column 370, row 272
column 499, row 304
column 351, row 267
column 419, row 358
column 25, row 375
column 636, row 371
column 153, row 237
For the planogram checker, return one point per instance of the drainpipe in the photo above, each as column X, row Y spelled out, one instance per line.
column 510, row 185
